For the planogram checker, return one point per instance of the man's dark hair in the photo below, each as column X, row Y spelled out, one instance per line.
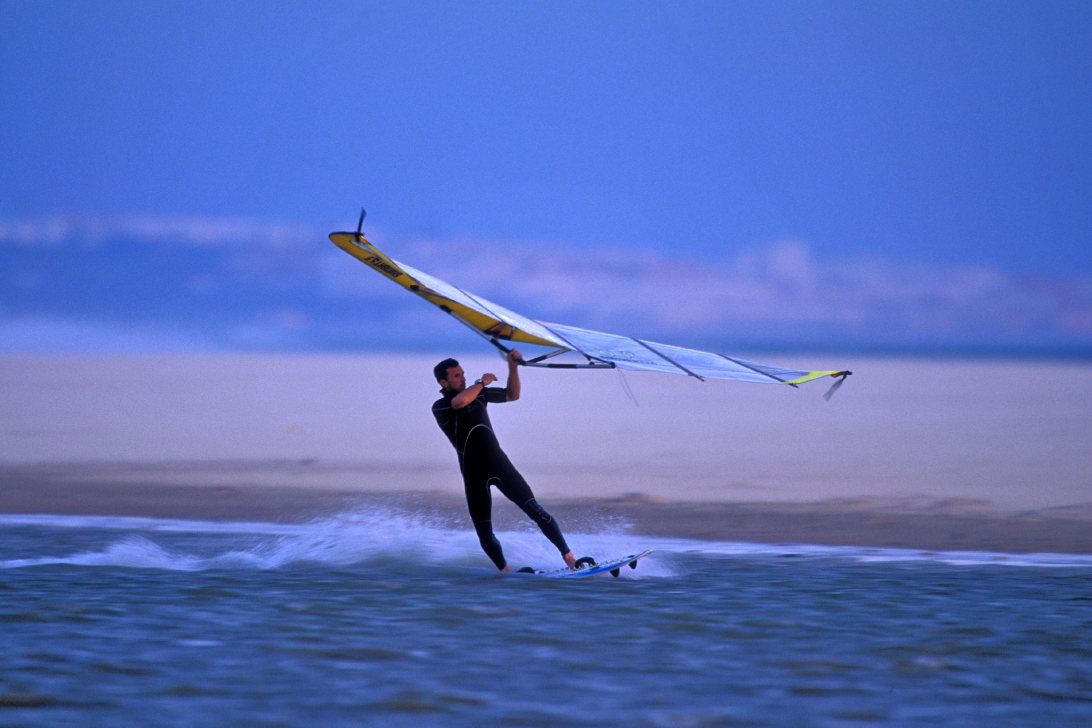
column 440, row 370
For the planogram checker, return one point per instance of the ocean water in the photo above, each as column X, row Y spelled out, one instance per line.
column 387, row 618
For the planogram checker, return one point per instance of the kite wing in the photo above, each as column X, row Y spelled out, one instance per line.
column 602, row 351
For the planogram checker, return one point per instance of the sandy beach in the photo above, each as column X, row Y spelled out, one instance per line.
column 916, row 453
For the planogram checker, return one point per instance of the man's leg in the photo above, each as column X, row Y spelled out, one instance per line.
column 480, row 503
column 515, row 488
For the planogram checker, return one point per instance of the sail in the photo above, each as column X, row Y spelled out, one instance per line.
column 601, row 350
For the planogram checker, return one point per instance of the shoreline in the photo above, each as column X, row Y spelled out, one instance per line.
column 953, row 525
column 910, row 454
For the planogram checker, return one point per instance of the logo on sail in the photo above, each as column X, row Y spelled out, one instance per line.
column 381, row 265
column 500, row 330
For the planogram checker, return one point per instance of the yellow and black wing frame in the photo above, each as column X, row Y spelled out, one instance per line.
column 600, row 350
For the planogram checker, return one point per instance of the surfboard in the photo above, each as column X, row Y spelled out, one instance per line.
column 585, row 569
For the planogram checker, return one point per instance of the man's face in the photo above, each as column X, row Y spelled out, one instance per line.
column 456, row 379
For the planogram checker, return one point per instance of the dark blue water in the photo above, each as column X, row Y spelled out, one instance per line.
column 381, row 619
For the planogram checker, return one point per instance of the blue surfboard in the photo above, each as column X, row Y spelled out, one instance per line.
column 585, row 570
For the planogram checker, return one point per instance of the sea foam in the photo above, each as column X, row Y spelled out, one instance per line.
column 378, row 537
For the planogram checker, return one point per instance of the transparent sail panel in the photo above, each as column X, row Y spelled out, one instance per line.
column 482, row 306
column 621, row 350
column 716, row 366
column 629, row 353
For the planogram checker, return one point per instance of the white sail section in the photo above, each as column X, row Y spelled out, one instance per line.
column 630, row 353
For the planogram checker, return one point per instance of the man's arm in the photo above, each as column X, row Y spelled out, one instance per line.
column 514, row 357
column 468, row 395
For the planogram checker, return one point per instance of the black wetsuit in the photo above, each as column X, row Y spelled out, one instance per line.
column 484, row 464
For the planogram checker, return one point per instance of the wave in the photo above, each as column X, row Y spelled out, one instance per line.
column 367, row 537
column 387, row 538
column 870, row 554
column 136, row 523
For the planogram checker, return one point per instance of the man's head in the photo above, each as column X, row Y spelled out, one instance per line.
column 450, row 375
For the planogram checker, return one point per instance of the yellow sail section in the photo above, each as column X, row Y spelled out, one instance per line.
column 356, row 246
column 490, row 319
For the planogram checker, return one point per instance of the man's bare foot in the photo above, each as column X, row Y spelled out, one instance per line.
column 506, row 570
column 570, row 560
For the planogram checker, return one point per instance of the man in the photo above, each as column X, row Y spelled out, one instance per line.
column 461, row 414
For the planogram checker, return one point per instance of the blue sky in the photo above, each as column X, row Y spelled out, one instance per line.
column 936, row 134
column 951, row 131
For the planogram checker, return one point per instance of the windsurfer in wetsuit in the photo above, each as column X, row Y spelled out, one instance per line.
column 461, row 414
